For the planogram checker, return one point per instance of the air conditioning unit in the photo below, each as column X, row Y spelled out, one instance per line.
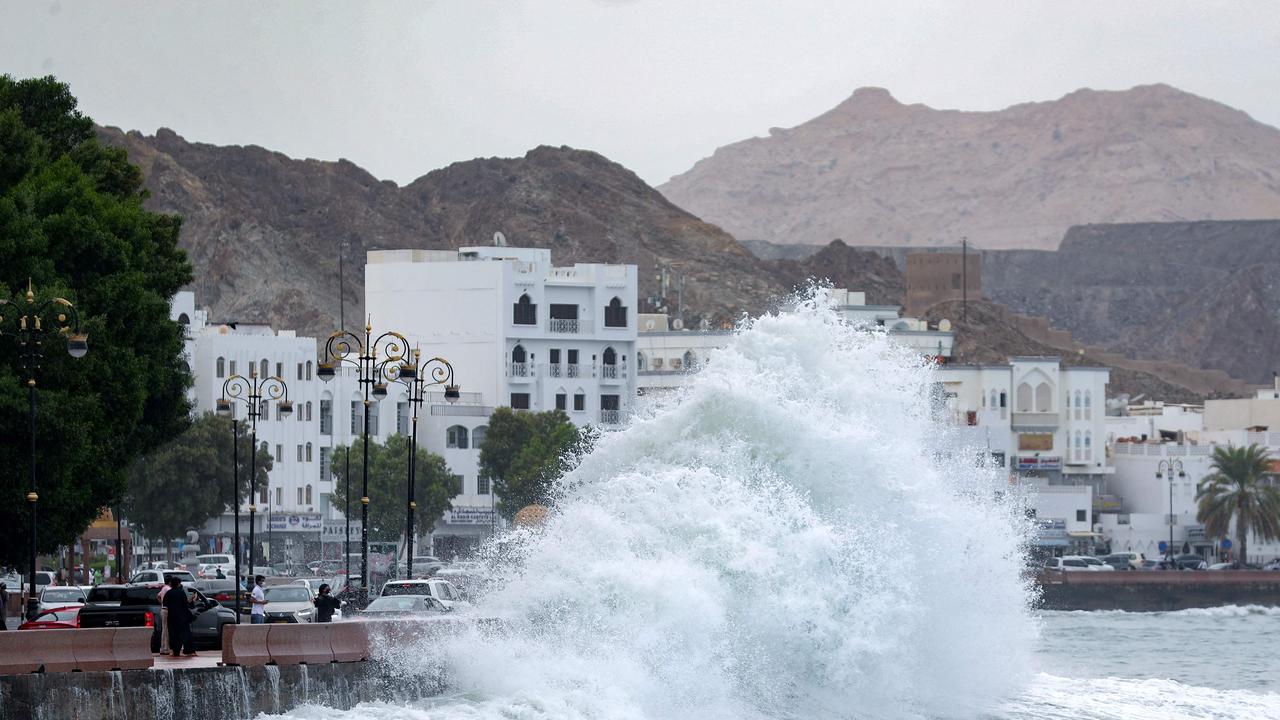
column 650, row 325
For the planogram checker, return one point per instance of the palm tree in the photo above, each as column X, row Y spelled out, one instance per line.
column 1239, row 487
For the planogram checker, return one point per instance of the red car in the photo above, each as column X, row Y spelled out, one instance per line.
column 54, row 619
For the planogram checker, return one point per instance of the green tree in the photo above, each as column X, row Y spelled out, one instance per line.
column 435, row 486
column 1238, row 488
column 185, row 482
column 72, row 221
column 524, row 452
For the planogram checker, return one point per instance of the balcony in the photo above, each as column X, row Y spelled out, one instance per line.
column 572, row 370
column 1035, row 420
column 610, row 374
column 555, row 370
column 557, row 325
column 610, row 417
column 520, row 371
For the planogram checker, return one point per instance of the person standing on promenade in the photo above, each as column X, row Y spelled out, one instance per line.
column 325, row 604
column 180, row 617
column 258, row 615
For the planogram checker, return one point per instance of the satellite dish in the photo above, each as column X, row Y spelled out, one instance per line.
column 677, row 324
column 499, row 240
column 944, row 325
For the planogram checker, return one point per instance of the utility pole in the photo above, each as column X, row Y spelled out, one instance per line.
column 964, row 278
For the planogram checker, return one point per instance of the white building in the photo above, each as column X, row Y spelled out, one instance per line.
column 1043, row 421
column 294, row 505
column 519, row 332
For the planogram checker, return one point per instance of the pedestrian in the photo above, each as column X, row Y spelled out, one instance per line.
column 325, row 604
column 164, row 620
column 180, row 617
column 4, row 606
column 258, row 613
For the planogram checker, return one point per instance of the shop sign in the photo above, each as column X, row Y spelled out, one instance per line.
column 296, row 523
column 1032, row 462
column 465, row 515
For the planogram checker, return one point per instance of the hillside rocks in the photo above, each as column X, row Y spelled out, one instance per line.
column 264, row 230
column 878, row 172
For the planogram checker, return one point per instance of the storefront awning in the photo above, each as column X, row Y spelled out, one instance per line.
column 1084, row 534
column 1052, row 542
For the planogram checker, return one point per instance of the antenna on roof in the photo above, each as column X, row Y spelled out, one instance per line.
column 499, row 240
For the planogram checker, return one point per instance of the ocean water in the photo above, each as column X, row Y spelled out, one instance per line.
column 797, row 537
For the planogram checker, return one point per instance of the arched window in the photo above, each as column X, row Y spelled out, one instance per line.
column 609, row 357
column 640, row 361
column 1079, row 445
column 1088, row 445
column 309, row 501
column 1078, row 404
column 1088, row 405
column 615, row 314
column 518, row 354
column 308, row 453
column 456, row 437
column 477, row 436
column 308, row 369
column 308, row 411
column 1024, row 397
column 690, row 361
column 222, row 367
column 299, row 496
column 183, row 319
column 262, row 410
column 524, row 312
column 263, row 367
column 1044, row 397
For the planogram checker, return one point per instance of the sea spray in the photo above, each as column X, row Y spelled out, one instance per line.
column 793, row 536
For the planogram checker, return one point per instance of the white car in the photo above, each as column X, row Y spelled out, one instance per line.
column 292, row 604
column 56, row 597
column 208, row 565
column 1094, row 563
column 151, row 577
column 435, row 588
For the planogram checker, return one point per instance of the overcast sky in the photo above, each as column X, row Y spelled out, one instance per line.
column 401, row 88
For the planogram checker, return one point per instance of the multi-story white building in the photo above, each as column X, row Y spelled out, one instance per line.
column 519, row 332
column 1044, row 422
column 293, row 507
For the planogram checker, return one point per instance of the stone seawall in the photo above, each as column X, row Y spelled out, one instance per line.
column 1157, row 591
column 209, row 693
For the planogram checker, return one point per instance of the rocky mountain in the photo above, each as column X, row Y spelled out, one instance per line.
column 264, row 230
column 1206, row 294
column 875, row 171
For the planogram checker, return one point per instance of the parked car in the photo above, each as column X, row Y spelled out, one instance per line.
column 423, row 566
column 1066, row 564
column 1190, row 561
column 1228, row 566
column 1133, row 559
column 292, row 604
column 224, row 592
column 60, row 597
column 58, row 618
column 45, row 579
column 139, row 606
column 1273, row 565
column 402, row 605
column 208, row 565
column 159, row 577
column 1094, row 563
column 441, row 590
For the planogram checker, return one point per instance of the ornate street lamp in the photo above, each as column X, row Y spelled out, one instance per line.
column 32, row 322
column 1170, row 467
column 254, row 392
column 369, row 356
column 417, row 376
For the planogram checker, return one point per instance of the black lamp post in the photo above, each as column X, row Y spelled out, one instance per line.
column 1170, row 467
column 417, row 376
column 363, row 354
column 254, row 392
column 32, row 321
